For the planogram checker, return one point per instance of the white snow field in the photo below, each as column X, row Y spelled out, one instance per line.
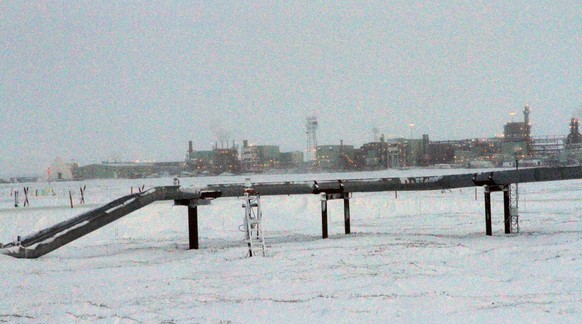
column 422, row 257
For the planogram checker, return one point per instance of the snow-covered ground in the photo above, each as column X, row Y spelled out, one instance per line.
column 422, row 257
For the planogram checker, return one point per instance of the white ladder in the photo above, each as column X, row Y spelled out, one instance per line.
column 253, row 217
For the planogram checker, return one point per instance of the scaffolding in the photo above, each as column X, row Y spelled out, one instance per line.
column 547, row 146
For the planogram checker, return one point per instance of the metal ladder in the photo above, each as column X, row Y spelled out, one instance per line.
column 253, row 223
column 514, row 207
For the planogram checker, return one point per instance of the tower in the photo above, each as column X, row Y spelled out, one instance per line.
column 526, row 112
column 311, row 132
column 527, row 129
column 574, row 137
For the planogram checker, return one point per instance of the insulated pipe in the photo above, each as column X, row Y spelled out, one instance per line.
column 44, row 241
column 400, row 184
column 52, row 238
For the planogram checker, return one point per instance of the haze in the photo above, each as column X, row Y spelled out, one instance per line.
column 91, row 81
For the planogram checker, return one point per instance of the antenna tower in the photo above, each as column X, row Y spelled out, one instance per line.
column 311, row 132
column 527, row 129
column 375, row 131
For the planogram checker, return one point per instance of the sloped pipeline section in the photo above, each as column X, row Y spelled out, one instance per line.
column 52, row 238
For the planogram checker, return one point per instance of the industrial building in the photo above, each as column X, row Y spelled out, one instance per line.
column 335, row 157
column 259, row 158
column 61, row 171
column 378, row 155
column 447, row 152
column 128, row 170
column 517, row 141
column 572, row 153
column 225, row 160
column 218, row 161
column 516, row 144
column 291, row 160
column 574, row 138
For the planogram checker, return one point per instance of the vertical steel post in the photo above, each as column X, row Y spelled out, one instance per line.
column 506, row 209
column 488, row 230
column 324, row 217
column 347, row 213
column 193, row 226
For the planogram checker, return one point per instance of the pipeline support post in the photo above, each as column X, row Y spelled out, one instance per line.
column 506, row 209
column 488, row 229
column 192, row 205
column 347, row 213
column 324, row 233
column 193, row 226
column 324, row 197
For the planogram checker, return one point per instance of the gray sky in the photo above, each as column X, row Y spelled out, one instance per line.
column 95, row 80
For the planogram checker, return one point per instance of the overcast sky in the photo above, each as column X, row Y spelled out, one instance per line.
column 96, row 80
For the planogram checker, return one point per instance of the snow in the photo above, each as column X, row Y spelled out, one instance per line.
column 421, row 257
column 420, row 180
column 57, row 235
column 112, row 209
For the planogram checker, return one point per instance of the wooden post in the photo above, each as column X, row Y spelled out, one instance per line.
column 506, row 209
column 324, row 217
column 26, row 203
column 396, row 194
column 82, row 200
column 488, row 229
column 347, row 213
column 193, row 226
column 16, row 198
column 71, row 198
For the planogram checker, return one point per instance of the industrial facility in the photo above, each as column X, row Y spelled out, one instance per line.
column 517, row 145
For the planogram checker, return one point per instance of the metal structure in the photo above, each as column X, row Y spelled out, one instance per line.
column 574, row 137
column 254, row 236
column 47, row 240
column 311, row 132
column 547, row 146
column 527, row 124
column 517, row 135
column 514, row 208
